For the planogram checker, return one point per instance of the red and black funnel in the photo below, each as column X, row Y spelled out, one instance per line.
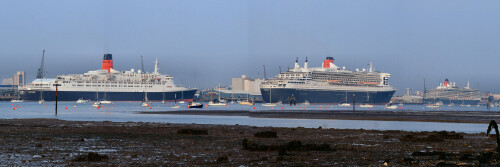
column 446, row 82
column 107, row 62
column 326, row 63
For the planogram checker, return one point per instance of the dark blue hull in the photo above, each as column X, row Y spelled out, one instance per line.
column 450, row 101
column 112, row 96
column 326, row 96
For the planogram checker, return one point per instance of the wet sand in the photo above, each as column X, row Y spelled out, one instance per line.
column 48, row 142
column 422, row 116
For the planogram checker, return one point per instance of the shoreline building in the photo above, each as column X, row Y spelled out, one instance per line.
column 243, row 88
column 19, row 78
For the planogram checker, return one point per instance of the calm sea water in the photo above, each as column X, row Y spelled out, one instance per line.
column 128, row 111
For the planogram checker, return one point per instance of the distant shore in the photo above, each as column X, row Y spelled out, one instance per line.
column 420, row 116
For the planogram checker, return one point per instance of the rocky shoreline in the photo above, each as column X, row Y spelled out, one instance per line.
column 49, row 142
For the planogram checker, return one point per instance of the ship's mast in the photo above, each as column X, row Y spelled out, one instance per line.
column 156, row 66
column 41, row 71
column 142, row 66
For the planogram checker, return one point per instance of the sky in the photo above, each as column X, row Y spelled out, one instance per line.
column 204, row 43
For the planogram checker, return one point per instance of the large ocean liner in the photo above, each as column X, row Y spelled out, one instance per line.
column 328, row 84
column 108, row 84
column 448, row 93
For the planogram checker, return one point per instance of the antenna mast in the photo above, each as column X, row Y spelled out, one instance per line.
column 142, row 66
column 41, row 71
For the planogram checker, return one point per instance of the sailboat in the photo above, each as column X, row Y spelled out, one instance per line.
column 105, row 100
column 41, row 75
column 145, row 102
column 247, row 102
column 97, row 103
column 41, row 101
column 345, row 104
column 366, row 105
column 270, row 104
column 220, row 102
column 182, row 99
column 163, row 99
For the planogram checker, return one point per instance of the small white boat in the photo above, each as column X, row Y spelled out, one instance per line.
column 176, row 106
column 82, row 101
column 41, row 101
column 306, row 103
column 16, row 101
column 269, row 104
column 345, row 104
column 245, row 102
column 433, row 106
column 181, row 102
column 163, row 102
column 211, row 103
column 105, row 102
column 391, row 106
column 145, row 103
column 96, row 104
column 366, row 106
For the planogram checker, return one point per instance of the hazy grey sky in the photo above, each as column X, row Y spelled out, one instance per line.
column 203, row 43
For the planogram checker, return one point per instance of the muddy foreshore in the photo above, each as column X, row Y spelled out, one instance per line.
column 49, row 142
column 422, row 116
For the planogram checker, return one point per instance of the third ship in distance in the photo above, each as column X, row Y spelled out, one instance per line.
column 448, row 93
column 328, row 84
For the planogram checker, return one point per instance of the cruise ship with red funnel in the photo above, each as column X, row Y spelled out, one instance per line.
column 108, row 83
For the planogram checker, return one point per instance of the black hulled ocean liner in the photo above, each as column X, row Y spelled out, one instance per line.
column 448, row 93
column 328, row 84
column 108, row 83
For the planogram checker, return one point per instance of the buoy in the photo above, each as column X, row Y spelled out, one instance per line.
column 18, row 106
column 13, row 108
column 113, row 105
column 97, row 107
column 150, row 107
column 66, row 108
column 283, row 108
column 339, row 106
column 319, row 106
column 135, row 104
column 254, row 108
column 325, row 108
column 45, row 105
column 74, row 106
column 12, row 104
